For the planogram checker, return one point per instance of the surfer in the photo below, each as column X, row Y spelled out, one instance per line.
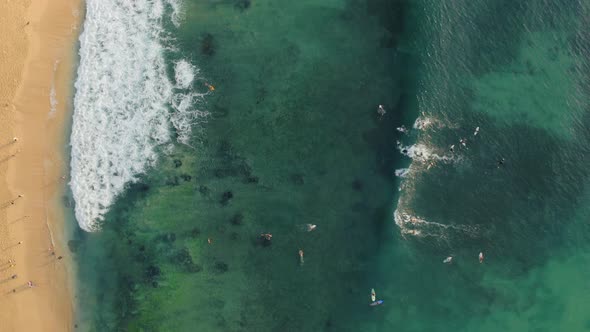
column 376, row 303
column 402, row 129
column 481, row 257
column 448, row 260
column 373, row 295
column 381, row 111
column 301, row 256
column 452, row 149
column 476, row 131
column 266, row 236
column 311, row 227
column 463, row 141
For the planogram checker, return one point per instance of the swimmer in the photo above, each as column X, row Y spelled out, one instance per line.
column 301, row 256
column 210, row 87
column 476, row 131
column 481, row 257
column 448, row 260
column 501, row 162
column 381, row 111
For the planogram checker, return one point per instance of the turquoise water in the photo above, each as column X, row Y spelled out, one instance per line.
column 294, row 138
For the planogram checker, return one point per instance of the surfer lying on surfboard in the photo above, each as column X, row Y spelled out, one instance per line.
column 376, row 303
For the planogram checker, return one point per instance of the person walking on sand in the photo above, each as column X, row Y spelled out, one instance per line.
column 30, row 284
column 301, row 256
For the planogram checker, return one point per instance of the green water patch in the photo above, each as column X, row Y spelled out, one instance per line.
column 294, row 138
column 538, row 88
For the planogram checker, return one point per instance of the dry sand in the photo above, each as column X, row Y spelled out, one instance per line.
column 36, row 63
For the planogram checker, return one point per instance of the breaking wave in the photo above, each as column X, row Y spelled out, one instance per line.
column 125, row 104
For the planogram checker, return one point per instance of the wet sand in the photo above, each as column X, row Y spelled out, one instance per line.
column 36, row 67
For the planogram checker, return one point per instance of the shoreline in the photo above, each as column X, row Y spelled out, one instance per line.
column 37, row 107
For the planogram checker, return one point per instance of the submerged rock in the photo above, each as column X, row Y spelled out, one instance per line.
column 298, row 179
column 173, row 181
column 221, row 267
column 204, row 190
column 195, row 232
column 226, row 197
column 177, row 163
column 152, row 272
column 243, row 4
column 207, row 44
column 184, row 259
column 237, row 219
column 186, row 177
column 357, row 185
column 251, row 179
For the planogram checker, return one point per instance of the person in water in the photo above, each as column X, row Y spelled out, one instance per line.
column 381, row 111
column 501, row 162
column 481, row 257
column 448, row 260
column 301, row 256
column 311, row 227
column 266, row 236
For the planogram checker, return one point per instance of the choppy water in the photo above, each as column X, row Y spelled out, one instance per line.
column 294, row 137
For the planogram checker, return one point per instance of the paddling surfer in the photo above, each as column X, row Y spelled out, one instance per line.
column 381, row 111
column 481, row 257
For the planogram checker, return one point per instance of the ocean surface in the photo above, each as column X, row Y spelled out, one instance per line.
column 201, row 124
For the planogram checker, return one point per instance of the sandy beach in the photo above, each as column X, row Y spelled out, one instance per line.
column 36, row 68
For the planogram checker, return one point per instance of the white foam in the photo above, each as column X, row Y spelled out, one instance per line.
column 184, row 73
column 124, row 102
column 402, row 172
column 422, row 152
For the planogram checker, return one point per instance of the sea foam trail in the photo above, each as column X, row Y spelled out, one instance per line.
column 125, row 103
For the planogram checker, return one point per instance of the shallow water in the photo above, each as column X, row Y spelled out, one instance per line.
column 294, row 136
